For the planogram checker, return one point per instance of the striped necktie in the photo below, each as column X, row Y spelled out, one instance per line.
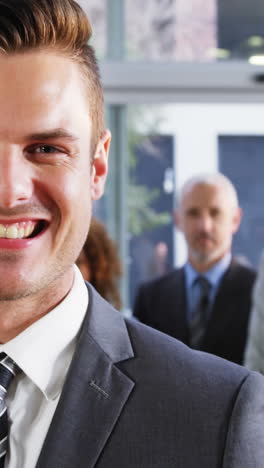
column 200, row 314
column 8, row 370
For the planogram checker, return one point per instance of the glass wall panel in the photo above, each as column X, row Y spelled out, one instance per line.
column 241, row 159
column 97, row 12
column 151, row 165
column 171, row 29
column 195, row 30
column 240, row 29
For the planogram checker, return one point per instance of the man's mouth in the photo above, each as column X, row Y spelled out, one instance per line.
column 204, row 237
column 22, row 230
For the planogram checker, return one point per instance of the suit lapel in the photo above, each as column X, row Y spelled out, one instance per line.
column 94, row 393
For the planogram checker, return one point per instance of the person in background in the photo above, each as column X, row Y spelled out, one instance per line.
column 158, row 264
column 205, row 303
column 100, row 264
column 90, row 388
column 254, row 353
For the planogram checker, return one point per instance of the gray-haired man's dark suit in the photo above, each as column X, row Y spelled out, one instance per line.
column 162, row 304
column 137, row 398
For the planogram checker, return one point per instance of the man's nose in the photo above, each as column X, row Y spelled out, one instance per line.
column 205, row 223
column 15, row 180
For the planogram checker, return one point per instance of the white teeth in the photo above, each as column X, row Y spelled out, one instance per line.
column 29, row 229
column 2, row 230
column 16, row 231
column 12, row 232
column 21, row 233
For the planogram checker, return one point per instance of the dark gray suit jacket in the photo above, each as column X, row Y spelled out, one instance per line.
column 135, row 397
column 162, row 304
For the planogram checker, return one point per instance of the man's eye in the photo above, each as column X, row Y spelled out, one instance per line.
column 192, row 213
column 215, row 213
column 43, row 150
column 46, row 149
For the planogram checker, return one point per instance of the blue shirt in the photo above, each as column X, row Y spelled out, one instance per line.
column 213, row 275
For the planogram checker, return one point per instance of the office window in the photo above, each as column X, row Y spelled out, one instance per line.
column 195, row 30
column 241, row 159
column 97, row 12
column 150, row 207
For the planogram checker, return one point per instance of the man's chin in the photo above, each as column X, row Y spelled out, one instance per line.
column 207, row 258
column 7, row 294
column 18, row 286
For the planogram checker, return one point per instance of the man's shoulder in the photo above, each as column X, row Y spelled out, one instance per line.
column 242, row 268
column 191, row 391
column 163, row 281
column 166, row 355
column 177, row 394
column 240, row 273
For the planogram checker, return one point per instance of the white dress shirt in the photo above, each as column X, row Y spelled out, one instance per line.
column 43, row 351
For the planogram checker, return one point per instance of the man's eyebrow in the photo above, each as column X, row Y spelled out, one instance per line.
column 52, row 134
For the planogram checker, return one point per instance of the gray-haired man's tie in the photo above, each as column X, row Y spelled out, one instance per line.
column 200, row 314
column 8, row 370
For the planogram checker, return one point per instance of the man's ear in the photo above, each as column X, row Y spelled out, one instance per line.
column 100, row 166
column 177, row 219
column 237, row 219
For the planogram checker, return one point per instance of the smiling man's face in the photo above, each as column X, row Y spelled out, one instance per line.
column 47, row 174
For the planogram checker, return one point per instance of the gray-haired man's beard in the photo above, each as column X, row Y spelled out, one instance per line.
column 205, row 257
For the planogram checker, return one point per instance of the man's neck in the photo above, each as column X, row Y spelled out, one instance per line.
column 204, row 266
column 17, row 315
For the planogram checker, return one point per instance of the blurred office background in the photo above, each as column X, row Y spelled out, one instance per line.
column 184, row 91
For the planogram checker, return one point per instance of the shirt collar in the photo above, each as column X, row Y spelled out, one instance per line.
column 44, row 350
column 213, row 275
